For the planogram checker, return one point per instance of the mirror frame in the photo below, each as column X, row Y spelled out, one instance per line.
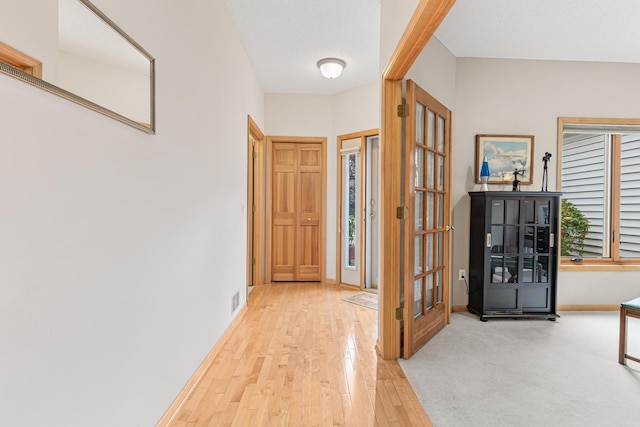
column 51, row 88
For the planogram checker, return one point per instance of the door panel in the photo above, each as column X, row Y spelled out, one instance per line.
column 296, row 211
column 426, row 292
column 284, row 211
column 310, row 205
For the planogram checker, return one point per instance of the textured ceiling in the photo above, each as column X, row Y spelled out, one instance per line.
column 285, row 38
column 575, row 30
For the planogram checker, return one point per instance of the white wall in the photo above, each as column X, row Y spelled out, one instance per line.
column 120, row 251
column 435, row 71
column 527, row 97
column 394, row 17
column 123, row 90
column 327, row 116
column 33, row 31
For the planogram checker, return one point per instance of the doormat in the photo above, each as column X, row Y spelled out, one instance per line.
column 364, row 299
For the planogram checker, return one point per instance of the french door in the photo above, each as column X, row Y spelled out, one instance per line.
column 426, row 232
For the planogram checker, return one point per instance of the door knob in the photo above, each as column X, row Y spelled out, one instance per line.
column 449, row 227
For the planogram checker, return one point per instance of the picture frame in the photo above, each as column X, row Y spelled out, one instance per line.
column 505, row 154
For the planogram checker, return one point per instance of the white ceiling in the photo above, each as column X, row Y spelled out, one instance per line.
column 285, row 38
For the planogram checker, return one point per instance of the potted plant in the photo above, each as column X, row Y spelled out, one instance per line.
column 574, row 227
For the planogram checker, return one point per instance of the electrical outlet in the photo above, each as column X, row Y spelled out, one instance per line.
column 461, row 274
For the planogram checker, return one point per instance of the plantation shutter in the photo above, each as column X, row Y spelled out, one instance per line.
column 584, row 177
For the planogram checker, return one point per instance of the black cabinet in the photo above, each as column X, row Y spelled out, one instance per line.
column 513, row 254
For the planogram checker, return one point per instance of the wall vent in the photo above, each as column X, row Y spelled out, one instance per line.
column 235, row 301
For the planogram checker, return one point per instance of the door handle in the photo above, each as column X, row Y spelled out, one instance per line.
column 449, row 228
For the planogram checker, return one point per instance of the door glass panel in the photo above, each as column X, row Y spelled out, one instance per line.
column 497, row 212
column 440, row 134
column 438, row 249
column 429, row 292
column 497, row 269
column 429, row 258
column 430, row 169
column 418, row 254
column 440, row 211
column 417, row 297
column 440, row 169
column 528, row 269
column 431, row 129
column 529, row 208
column 419, row 123
column 350, row 183
column 542, row 270
column 438, row 286
column 511, row 239
column 543, row 213
column 529, row 240
column 511, row 269
column 542, row 240
column 512, row 211
column 497, row 239
column 429, row 211
column 419, row 164
column 419, row 210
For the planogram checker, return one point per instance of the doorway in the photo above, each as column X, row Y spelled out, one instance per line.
column 296, row 205
column 423, row 24
column 357, row 202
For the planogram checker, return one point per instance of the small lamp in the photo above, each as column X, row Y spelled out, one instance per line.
column 484, row 175
column 331, row 68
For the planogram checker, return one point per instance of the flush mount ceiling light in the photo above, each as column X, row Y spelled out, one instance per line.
column 331, row 68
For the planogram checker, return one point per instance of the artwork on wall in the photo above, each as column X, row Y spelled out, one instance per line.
column 505, row 155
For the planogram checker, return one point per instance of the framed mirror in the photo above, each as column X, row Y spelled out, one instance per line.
column 72, row 49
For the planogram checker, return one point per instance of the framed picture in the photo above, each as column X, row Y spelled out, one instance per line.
column 505, row 154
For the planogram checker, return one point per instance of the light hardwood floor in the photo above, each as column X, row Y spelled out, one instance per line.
column 302, row 357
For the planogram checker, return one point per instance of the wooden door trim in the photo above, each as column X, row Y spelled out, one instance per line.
column 269, row 194
column 424, row 22
column 363, row 135
column 255, row 181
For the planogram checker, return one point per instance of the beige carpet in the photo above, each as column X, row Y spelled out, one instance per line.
column 522, row 373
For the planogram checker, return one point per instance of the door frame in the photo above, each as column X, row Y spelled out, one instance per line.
column 423, row 23
column 363, row 135
column 269, row 194
column 255, row 204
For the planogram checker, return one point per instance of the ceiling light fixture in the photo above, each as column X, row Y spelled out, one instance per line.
column 331, row 68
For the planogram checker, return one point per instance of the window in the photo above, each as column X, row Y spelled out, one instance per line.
column 600, row 181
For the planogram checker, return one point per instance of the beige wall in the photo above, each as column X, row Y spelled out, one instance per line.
column 120, row 251
column 527, row 97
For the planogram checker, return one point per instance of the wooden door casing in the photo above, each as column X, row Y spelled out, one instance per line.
column 296, row 209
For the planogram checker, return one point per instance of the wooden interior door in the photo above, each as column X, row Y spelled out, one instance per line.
column 426, row 279
column 297, row 211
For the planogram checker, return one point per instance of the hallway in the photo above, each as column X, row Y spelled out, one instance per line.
column 300, row 357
